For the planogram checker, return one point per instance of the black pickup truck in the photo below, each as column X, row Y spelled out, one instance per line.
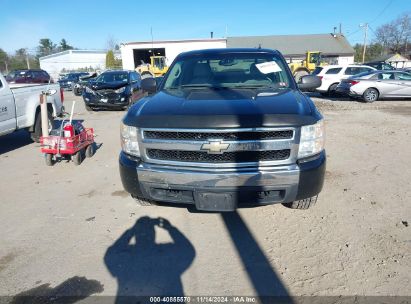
column 226, row 128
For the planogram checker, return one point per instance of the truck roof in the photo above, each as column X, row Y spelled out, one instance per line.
column 227, row 51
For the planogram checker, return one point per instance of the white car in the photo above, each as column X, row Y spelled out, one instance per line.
column 332, row 75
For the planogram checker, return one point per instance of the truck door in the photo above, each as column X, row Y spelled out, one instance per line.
column 7, row 110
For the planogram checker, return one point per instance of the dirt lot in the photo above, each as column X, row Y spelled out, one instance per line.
column 67, row 229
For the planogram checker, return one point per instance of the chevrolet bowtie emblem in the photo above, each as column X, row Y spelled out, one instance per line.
column 215, row 147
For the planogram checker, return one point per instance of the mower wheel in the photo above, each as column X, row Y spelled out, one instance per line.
column 90, row 150
column 50, row 161
column 77, row 157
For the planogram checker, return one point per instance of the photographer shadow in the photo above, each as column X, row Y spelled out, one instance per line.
column 145, row 268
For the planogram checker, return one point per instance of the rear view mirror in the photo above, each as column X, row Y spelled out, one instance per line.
column 149, row 85
column 309, row 82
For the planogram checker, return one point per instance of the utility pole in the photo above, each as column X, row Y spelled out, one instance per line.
column 365, row 26
column 27, row 59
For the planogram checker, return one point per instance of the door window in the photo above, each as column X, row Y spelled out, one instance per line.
column 333, row 71
column 403, row 76
column 385, row 76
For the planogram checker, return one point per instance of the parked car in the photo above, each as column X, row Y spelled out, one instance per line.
column 20, row 107
column 113, row 89
column 225, row 128
column 67, row 81
column 331, row 76
column 83, row 80
column 377, row 85
column 380, row 65
column 28, row 76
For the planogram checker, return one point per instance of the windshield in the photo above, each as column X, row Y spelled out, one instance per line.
column 112, row 77
column 315, row 58
column 235, row 70
column 69, row 77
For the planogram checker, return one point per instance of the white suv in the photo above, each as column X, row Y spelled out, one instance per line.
column 331, row 75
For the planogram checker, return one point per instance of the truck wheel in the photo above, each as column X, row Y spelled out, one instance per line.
column 50, row 159
column 370, row 95
column 302, row 204
column 90, row 150
column 143, row 201
column 299, row 74
column 76, row 91
column 37, row 132
column 77, row 157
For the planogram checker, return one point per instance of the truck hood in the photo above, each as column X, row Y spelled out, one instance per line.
column 107, row 85
column 223, row 109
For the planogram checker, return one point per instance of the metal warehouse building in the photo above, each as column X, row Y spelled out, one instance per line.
column 334, row 47
column 133, row 53
column 72, row 60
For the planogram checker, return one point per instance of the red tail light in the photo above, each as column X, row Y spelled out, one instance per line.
column 353, row 82
column 62, row 95
column 321, row 77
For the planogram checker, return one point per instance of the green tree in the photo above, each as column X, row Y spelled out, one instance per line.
column 4, row 61
column 46, row 47
column 64, row 46
column 110, row 61
column 373, row 51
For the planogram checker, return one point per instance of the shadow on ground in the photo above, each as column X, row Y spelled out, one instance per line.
column 14, row 141
column 70, row 291
column 145, row 268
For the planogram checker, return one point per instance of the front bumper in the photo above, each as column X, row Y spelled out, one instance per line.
column 252, row 186
column 66, row 86
column 95, row 100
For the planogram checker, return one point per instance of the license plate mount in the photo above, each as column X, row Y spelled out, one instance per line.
column 215, row 201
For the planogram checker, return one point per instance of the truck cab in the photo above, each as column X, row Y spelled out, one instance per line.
column 226, row 128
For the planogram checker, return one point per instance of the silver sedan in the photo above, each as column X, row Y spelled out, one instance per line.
column 375, row 85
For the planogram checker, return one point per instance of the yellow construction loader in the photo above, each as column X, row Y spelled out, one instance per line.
column 157, row 67
column 306, row 66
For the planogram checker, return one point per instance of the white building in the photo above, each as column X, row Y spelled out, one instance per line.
column 73, row 60
column 133, row 53
column 334, row 47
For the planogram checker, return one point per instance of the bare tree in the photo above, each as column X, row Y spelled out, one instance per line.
column 111, row 43
column 394, row 36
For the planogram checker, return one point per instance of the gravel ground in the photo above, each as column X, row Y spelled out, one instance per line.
column 73, row 230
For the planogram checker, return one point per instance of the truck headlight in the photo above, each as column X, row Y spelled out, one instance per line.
column 121, row 90
column 90, row 91
column 312, row 139
column 129, row 141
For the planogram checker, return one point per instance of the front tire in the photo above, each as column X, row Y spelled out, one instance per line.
column 370, row 95
column 50, row 161
column 37, row 131
column 302, row 204
column 143, row 202
column 77, row 157
column 300, row 74
column 90, row 150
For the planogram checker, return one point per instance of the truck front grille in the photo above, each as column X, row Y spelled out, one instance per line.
column 227, row 157
column 218, row 148
column 196, row 136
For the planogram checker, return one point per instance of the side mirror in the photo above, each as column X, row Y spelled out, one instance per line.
column 51, row 92
column 309, row 82
column 149, row 85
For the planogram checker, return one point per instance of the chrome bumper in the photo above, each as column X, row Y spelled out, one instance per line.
column 283, row 178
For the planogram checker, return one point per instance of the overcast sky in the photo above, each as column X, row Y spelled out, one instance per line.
column 88, row 24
